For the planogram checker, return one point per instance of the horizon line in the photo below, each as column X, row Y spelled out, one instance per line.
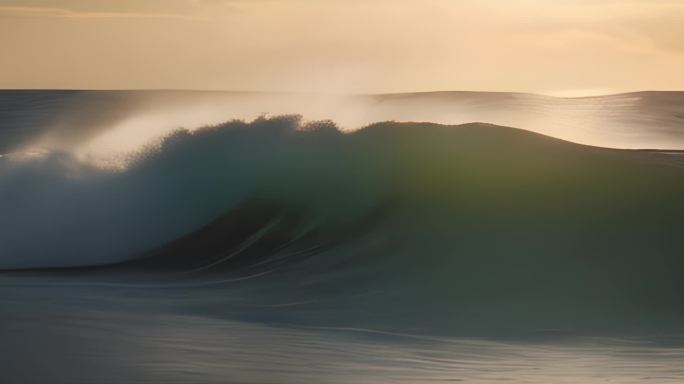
column 189, row 90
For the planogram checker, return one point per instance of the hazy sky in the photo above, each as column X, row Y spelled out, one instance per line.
column 564, row 47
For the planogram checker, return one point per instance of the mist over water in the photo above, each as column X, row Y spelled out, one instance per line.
column 99, row 124
column 281, row 250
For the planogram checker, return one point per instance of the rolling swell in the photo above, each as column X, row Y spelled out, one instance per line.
column 464, row 228
column 69, row 120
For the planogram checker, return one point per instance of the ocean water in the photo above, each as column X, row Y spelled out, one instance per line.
column 284, row 251
column 53, row 331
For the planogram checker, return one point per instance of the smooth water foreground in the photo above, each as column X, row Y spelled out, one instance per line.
column 62, row 331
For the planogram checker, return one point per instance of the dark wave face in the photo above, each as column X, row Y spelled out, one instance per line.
column 471, row 229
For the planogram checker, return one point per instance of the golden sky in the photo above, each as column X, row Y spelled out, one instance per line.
column 564, row 47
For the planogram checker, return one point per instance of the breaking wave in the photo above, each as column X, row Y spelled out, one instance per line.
column 418, row 224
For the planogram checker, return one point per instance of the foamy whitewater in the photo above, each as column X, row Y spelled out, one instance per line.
column 338, row 248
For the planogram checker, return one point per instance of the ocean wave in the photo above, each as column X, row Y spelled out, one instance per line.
column 469, row 224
